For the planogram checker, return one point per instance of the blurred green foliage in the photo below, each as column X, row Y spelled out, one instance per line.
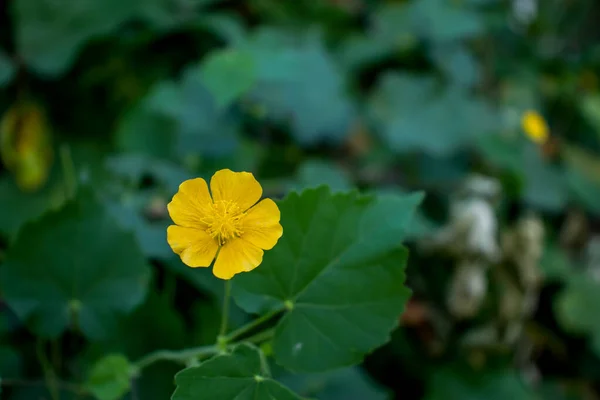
column 382, row 96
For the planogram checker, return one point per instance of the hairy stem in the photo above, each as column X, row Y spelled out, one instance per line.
column 235, row 335
column 179, row 356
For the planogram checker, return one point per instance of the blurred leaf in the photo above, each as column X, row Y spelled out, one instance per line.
column 299, row 82
column 501, row 151
column 392, row 23
column 134, row 167
column 445, row 20
column 238, row 375
column 71, row 277
column 413, row 115
column 143, row 131
column 153, row 325
column 40, row 393
column 228, row 74
column 156, row 382
column 396, row 27
column 151, row 237
column 554, row 390
column 555, row 264
column 11, row 362
column 17, row 208
column 7, row 69
column 229, row 27
column 590, row 106
column 458, row 64
column 313, row 173
column 585, row 190
column 454, row 384
column 180, row 119
column 390, row 30
column 206, row 324
column 340, row 273
column 166, row 14
column 203, row 280
column 583, row 176
column 50, row 33
column 347, row 384
column 545, row 184
column 573, row 307
column 110, row 377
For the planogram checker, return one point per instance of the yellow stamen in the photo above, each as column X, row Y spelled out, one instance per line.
column 224, row 221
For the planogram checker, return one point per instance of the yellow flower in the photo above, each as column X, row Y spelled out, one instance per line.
column 535, row 127
column 229, row 225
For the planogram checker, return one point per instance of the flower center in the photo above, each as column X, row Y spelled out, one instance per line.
column 224, row 221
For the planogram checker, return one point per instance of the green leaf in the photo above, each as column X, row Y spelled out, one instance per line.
column 457, row 384
column 50, row 33
column 228, row 74
column 299, row 83
column 339, row 270
column 110, row 377
column 347, row 384
column 7, row 69
column 235, row 376
column 412, row 114
column 84, row 271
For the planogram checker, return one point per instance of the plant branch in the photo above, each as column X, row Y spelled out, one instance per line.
column 235, row 335
column 179, row 356
column 51, row 381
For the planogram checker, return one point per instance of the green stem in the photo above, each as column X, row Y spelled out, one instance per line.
column 251, row 325
column 225, row 314
column 51, row 381
column 261, row 336
column 180, row 356
column 68, row 170
column 264, row 364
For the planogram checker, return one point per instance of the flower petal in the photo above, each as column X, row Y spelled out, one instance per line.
column 239, row 187
column 261, row 225
column 237, row 256
column 190, row 204
column 195, row 247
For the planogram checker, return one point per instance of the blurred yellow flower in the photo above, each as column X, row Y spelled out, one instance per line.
column 25, row 145
column 229, row 225
column 535, row 127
